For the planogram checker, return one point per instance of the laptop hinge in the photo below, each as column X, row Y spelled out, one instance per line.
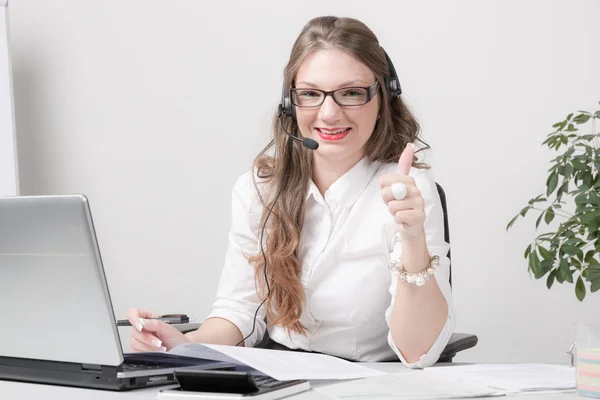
column 91, row 367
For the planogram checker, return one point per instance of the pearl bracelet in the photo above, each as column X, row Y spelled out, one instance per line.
column 417, row 278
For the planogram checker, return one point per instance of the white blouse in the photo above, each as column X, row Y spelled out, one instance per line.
column 347, row 242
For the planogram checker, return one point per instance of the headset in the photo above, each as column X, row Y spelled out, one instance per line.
column 287, row 110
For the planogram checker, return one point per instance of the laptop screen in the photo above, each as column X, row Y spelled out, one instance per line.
column 53, row 293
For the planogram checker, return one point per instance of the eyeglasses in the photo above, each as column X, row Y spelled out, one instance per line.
column 345, row 97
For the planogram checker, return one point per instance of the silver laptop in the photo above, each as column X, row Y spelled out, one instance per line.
column 58, row 322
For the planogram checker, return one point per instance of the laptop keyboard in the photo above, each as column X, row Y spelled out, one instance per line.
column 138, row 366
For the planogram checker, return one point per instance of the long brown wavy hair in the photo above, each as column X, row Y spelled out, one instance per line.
column 289, row 166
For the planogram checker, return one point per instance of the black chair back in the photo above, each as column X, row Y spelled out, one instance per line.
column 446, row 226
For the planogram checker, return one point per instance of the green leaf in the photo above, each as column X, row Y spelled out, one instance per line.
column 537, row 223
column 588, row 218
column 569, row 116
column 587, row 178
column 595, row 198
column 580, row 166
column 545, row 266
column 551, row 183
column 545, row 253
column 588, row 151
column 575, row 241
column 557, row 145
column 594, row 264
column 570, row 250
column 581, row 119
column 524, row 211
column 568, row 170
column 595, row 286
column 527, row 251
column 589, row 255
column 562, row 189
column 534, row 263
column 580, row 289
column 549, row 216
column 564, row 271
column 512, row 221
column 592, row 276
column 581, row 199
column 550, row 280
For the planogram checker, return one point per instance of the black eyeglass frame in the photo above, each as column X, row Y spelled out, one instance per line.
column 372, row 90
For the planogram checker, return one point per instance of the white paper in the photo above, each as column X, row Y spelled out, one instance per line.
column 512, row 378
column 409, row 384
column 288, row 365
column 281, row 365
column 198, row 350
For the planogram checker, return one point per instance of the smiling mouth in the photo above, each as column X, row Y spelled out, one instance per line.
column 332, row 134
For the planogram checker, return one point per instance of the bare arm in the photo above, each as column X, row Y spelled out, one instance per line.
column 216, row 331
column 419, row 313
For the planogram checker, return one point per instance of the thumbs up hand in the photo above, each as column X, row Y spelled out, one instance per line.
column 402, row 197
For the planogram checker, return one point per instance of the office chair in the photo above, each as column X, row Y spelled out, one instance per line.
column 458, row 341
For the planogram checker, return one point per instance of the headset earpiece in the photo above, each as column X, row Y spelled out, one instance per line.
column 286, row 108
column 392, row 83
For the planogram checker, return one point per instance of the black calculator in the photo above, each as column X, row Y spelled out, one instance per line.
column 207, row 384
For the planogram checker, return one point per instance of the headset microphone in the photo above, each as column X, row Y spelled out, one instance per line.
column 306, row 142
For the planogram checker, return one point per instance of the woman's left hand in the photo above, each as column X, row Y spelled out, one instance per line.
column 402, row 197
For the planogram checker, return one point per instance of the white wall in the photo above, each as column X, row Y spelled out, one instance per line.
column 153, row 109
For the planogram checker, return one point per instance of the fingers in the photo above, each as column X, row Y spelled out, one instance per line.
column 409, row 217
column 147, row 339
column 135, row 314
column 390, row 179
column 406, row 159
column 160, row 329
column 414, row 203
column 138, row 345
column 387, row 195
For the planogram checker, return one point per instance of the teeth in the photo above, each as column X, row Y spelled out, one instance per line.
column 335, row 132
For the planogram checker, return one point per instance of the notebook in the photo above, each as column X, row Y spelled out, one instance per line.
column 59, row 326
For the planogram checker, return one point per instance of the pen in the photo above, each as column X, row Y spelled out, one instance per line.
column 169, row 319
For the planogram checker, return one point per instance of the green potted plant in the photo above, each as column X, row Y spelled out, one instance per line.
column 571, row 253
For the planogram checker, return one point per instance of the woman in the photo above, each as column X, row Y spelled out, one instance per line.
column 335, row 220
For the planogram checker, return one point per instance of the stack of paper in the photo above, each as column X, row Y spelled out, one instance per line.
column 406, row 385
column 281, row 365
column 512, row 378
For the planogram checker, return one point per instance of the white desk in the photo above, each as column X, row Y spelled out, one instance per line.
column 28, row 391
